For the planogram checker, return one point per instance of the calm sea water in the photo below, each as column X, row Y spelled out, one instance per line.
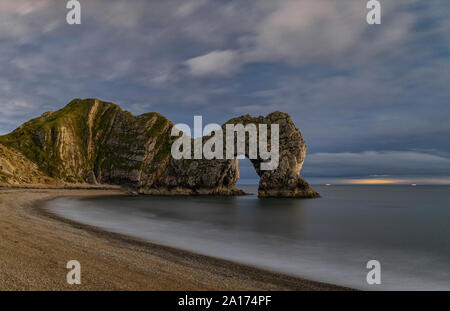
column 331, row 239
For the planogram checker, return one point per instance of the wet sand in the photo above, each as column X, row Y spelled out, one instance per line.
column 35, row 246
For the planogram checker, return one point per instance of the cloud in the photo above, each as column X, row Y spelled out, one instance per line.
column 13, row 110
column 215, row 62
column 120, row 15
column 23, row 7
column 305, row 30
column 370, row 163
column 348, row 86
column 189, row 7
column 23, row 20
column 321, row 32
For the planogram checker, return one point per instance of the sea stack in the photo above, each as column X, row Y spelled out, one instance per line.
column 96, row 142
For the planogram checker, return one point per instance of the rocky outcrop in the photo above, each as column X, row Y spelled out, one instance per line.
column 285, row 180
column 91, row 141
column 16, row 169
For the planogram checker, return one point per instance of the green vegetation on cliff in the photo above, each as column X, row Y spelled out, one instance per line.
column 90, row 136
column 91, row 141
column 38, row 138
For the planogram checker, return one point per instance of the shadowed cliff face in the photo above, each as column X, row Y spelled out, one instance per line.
column 285, row 180
column 90, row 141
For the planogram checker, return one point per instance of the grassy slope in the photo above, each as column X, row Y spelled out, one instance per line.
column 39, row 139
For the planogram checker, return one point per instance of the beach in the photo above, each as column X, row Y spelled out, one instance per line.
column 35, row 246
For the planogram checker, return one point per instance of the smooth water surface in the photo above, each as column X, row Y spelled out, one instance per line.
column 331, row 239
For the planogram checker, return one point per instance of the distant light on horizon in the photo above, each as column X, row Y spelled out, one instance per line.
column 382, row 181
column 374, row 181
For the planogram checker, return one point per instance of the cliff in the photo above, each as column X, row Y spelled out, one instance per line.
column 90, row 141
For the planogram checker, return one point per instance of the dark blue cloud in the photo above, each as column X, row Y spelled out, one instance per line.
column 350, row 87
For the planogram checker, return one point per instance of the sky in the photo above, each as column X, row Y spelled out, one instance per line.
column 372, row 101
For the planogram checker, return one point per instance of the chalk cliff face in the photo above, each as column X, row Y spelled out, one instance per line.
column 16, row 169
column 90, row 141
column 285, row 180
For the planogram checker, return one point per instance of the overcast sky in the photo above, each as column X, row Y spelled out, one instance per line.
column 369, row 100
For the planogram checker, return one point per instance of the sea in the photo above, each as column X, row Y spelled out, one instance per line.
column 330, row 239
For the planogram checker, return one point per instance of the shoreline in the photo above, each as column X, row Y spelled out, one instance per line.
column 115, row 261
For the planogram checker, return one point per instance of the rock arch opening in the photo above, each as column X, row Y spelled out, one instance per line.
column 285, row 179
